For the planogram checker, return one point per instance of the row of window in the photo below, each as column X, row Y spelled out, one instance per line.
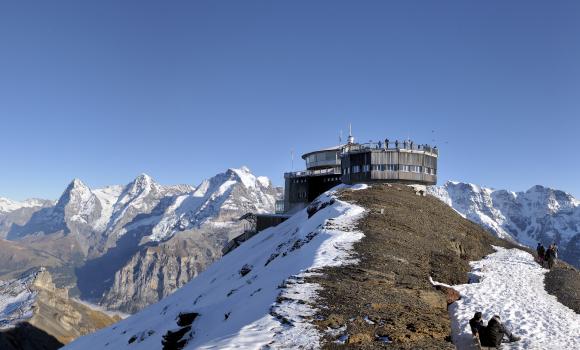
column 299, row 181
column 302, row 195
column 389, row 167
column 331, row 179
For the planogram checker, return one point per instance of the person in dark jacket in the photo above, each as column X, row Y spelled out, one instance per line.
column 541, row 252
column 494, row 333
column 476, row 324
column 550, row 256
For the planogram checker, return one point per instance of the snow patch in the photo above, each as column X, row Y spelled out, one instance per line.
column 511, row 285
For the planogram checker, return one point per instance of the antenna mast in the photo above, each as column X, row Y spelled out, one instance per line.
column 350, row 137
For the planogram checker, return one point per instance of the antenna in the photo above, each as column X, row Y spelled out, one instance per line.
column 350, row 137
column 340, row 138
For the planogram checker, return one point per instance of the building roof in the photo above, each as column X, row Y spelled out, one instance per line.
column 334, row 148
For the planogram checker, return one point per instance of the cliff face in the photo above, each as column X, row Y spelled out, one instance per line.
column 155, row 272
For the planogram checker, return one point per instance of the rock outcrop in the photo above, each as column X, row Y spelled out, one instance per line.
column 46, row 313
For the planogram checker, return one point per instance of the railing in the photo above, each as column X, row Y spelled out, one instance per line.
column 391, row 146
column 328, row 171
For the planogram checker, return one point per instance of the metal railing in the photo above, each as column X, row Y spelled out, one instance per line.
column 329, row 171
column 390, row 146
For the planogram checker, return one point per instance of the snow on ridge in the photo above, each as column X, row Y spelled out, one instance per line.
column 8, row 205
column 16, row 300
column 511, row 285
column 238, row 306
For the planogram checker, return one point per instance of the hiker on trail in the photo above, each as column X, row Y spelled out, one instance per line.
column 494, row 333
column 550, row 256
column 476, row 324
column 541, row 252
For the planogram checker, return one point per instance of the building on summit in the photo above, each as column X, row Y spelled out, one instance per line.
column 384, row 161
column 351, row 163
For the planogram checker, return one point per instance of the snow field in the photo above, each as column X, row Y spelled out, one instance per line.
column 511, row 285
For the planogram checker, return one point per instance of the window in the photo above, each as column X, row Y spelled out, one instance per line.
column 414, row 168
column 392, row 167
column 355, row 169
column 366, row 168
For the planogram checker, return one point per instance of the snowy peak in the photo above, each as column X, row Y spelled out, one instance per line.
column 142, row 185
column 76, row 192
column 219, row 200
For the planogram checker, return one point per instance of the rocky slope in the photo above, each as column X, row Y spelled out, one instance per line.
column 128, row 246
column 538, row 215
column 55, row 318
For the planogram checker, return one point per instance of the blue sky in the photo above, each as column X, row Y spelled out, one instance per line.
column 181, row 90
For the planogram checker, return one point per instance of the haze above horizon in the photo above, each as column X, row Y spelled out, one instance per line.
column 182, row 90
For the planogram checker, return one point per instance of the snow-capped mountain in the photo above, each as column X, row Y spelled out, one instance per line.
column 118, row 229
column 539, row 214
column 218, row 200
column 254, row 297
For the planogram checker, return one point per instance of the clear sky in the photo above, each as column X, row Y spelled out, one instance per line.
column 106, row 90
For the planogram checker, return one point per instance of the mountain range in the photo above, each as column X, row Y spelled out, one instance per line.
column 540, row 214
column 125, row 247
